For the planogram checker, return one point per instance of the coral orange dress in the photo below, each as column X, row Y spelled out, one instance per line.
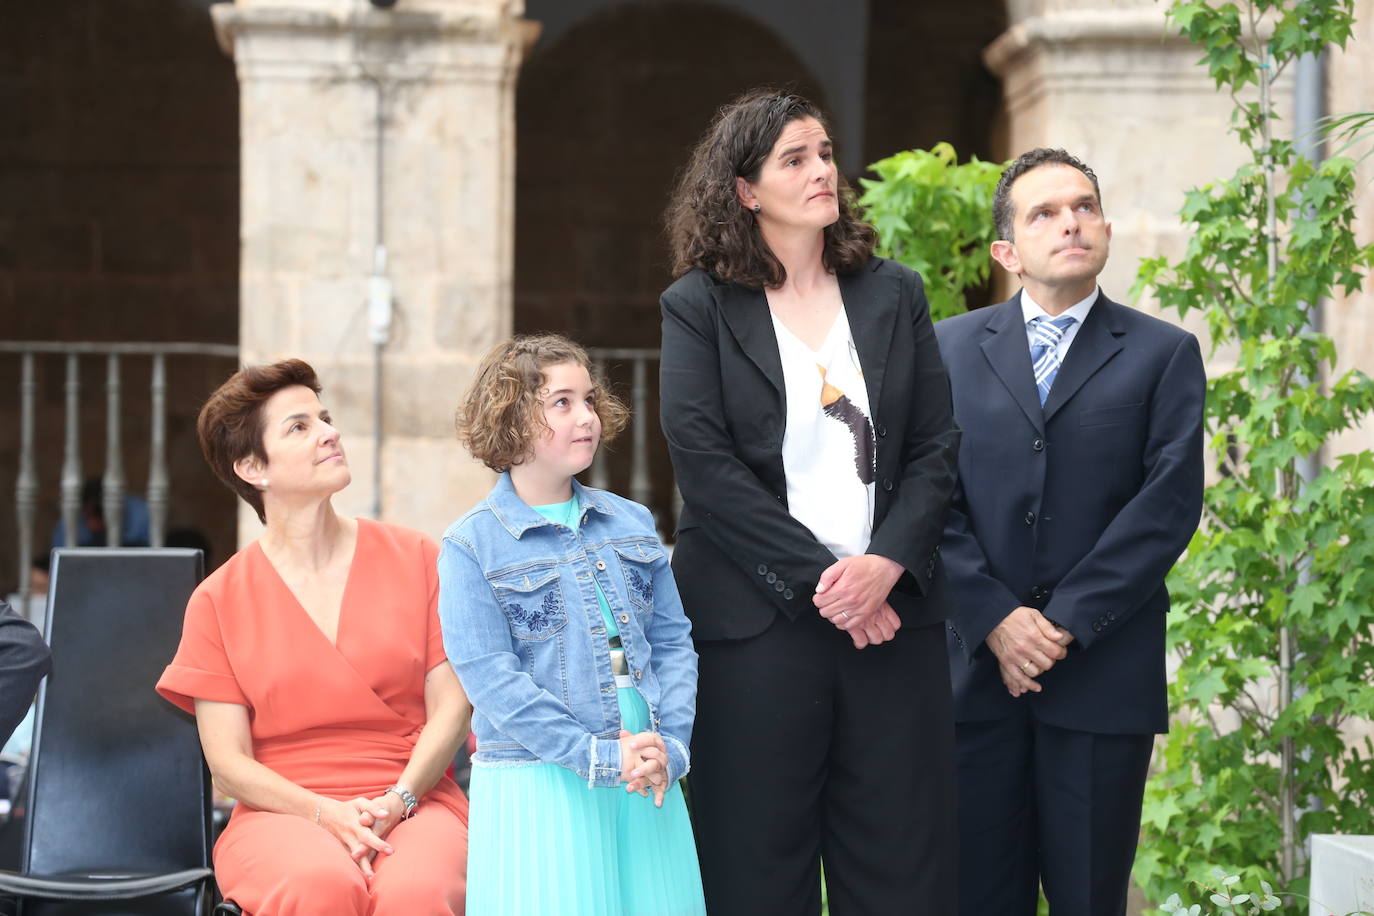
column 339, row 719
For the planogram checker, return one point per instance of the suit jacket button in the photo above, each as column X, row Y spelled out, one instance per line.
column 1038, row 444
column 771, row 577
column 1111, row 616
column 887, row 485
column 762, row 569
column 787, row 593
column 779, row 586
column 881, row 431
column 1097, row 627
column 1030, row 518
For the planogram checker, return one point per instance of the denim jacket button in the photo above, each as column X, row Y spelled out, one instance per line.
column 601, row 564
column 624, row 618
column 639, row 675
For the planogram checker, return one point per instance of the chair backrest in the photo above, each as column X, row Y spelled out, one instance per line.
column 117, row 783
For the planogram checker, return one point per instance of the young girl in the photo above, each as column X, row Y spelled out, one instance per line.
column 562, row 619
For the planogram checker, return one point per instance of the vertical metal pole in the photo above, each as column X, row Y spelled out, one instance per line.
column 640, row 488
column 157, row 463
column 71, row 464
column 112, row 485
column 600, row 476
column 1287, row 795
column 26, row 485
column 378, row 433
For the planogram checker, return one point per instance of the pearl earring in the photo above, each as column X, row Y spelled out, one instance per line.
column 264, row 483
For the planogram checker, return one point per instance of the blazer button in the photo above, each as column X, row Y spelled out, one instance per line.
column 787, row 594
column 1097, row 627
column 771, row 577
column 887, row 485
column 762, row 569
column 1038, row 444
column 1111, row 616
column 1030, row 518
column 779, row 586
column 882, row 431
column 1039, row 591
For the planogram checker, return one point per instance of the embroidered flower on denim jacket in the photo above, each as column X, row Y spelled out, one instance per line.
column 539, row 619
column 645, row 587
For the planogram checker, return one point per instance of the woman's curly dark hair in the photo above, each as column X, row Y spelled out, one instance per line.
column 708, row 226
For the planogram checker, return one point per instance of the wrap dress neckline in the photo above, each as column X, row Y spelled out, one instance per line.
column 294, row 600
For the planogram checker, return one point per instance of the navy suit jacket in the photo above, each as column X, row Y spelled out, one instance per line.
column 1078, row 508
column 741, row 558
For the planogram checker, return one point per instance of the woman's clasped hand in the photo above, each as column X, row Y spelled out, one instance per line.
column 361, row 825
column 852, row 594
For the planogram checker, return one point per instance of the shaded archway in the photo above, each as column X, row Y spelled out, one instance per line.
column 597, row 150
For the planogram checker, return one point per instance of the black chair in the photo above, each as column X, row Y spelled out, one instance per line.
column 119, row 797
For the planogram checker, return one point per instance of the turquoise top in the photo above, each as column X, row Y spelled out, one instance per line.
column 570, row 514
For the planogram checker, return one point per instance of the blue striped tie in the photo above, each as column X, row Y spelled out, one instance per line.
column 1045, row 335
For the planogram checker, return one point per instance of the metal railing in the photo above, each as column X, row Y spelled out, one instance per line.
column 643, row 385
column 113, row 485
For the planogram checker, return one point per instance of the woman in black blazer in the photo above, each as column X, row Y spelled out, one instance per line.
column 808, row 417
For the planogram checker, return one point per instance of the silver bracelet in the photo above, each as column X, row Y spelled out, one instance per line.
column 407, row 798
column 317, row 814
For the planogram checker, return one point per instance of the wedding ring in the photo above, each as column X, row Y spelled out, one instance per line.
column 1025, row 666
column 845, row 614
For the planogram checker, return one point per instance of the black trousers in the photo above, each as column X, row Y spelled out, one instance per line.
column 807, row 749
column 1046, row 805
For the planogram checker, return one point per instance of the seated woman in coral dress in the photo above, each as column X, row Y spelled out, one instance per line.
column 314, row 663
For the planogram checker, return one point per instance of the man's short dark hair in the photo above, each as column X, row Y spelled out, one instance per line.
column 1001, row 199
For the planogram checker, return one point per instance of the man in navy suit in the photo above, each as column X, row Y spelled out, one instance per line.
column 1080, row 485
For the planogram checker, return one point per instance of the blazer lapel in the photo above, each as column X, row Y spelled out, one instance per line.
column 871, row 308
column 746, row 313
column 1008, row 353
column 1095, row 343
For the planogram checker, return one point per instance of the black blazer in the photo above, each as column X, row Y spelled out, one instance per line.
column 24, row 660
column 1078, row 509
column 740, row 557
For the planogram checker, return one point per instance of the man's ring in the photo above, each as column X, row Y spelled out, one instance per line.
column 1025, row 666
column 845, row 614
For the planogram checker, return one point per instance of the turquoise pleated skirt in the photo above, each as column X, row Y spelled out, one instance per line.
column 541, row 843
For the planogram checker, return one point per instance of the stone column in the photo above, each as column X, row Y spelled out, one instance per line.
column 1113, row 83
column 326, row 179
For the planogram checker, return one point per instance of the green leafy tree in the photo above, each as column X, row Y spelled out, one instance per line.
column 935, row 216
column 1274, row 600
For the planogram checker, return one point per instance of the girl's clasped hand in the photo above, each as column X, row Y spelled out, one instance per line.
column 644, row 764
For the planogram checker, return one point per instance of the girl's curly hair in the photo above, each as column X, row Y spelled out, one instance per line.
column 501, row 411
column 707, row 225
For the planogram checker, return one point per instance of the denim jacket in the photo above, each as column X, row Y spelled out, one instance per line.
column 523, row 628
